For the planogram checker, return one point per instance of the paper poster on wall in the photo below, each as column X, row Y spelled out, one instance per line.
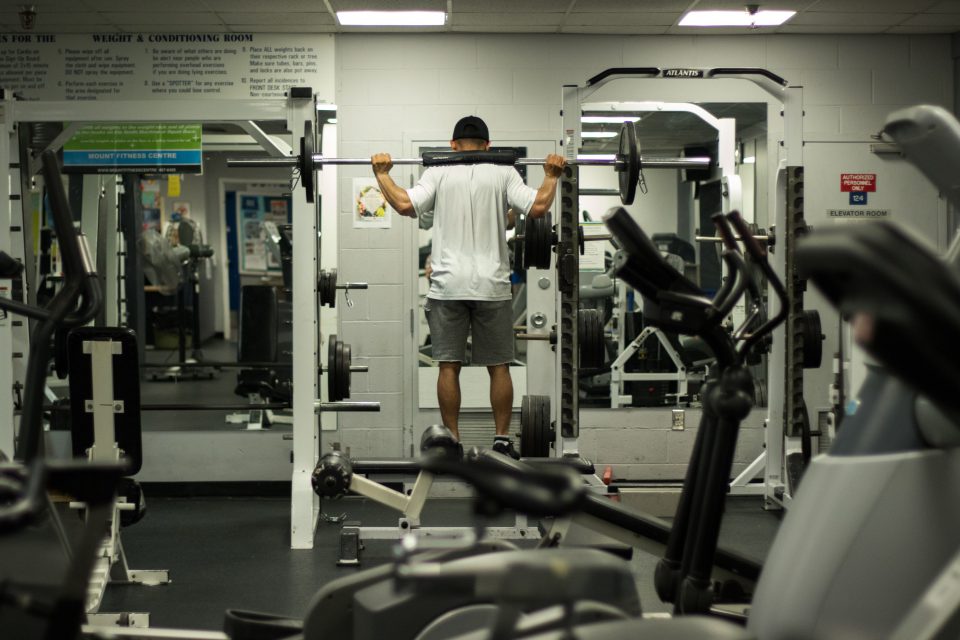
column 370, row 208
column 152, row 219
column 253, row 210
column 594, row 253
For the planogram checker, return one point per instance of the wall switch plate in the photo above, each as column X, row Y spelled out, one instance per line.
column 679, row 422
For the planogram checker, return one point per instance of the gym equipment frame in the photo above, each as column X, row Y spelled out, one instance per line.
column 298, row 108
column 785, row 375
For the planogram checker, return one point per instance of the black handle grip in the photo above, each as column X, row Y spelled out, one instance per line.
column 444, row 158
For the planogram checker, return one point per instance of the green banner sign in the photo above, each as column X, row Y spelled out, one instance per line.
column 135, row 148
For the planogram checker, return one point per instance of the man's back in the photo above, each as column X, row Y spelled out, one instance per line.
column 469, row 202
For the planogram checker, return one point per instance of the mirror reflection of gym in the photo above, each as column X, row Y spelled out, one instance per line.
column 646, row 367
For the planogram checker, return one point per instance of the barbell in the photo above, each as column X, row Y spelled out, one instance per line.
column 627, row 162
column 327, row 287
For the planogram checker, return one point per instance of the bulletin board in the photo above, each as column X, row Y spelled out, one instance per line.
column 252, row 210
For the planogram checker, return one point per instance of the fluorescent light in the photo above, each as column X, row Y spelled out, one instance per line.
column 735, row 18
column 324, row 106
column 750, row 160
column 391, row 18
column 332, row 121
column 599, row 134
column 608, row 119
column 596, row 156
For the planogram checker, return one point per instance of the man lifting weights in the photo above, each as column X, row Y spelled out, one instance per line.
column 470, row 282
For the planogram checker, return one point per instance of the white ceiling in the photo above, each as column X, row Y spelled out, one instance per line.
column 489, row 16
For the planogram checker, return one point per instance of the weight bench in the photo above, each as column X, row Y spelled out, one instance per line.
column 105, row 428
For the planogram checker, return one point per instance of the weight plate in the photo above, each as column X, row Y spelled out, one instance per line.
column 535, row 429
column 538, row 241
column 328, row 288
column 331, row 367
column 344, row 374
column 337, row 382
column 590, row 338
column 629, row 155
column 308, row 171
column 809, row 321
column 518, row 245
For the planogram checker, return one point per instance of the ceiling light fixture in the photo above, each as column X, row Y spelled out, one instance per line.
column 599, row 134
column 596, row 156
column 750, row 160
column 391, row 18
column 752, row 17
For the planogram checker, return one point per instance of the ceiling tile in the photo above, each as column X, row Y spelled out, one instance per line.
column 76, row 28
column 156, row 18
column 616, row 30
column 937, row 19
column 388, row 5
column 57, row 18
column 274, row 18
column 280, row 6
column 871, row 6
column 624, row 19
column 153, row 27
column 283, row 28
column 945, row 6
column 830, row 18
column 507, row 19
column 771, row 5
column 509, row 6
column 588, row 6
column 44, row 5
column 147, row 6
column 505, row 29
column 927, row 28
column 800, row 28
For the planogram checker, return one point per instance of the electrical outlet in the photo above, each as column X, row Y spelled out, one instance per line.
column 679, row 420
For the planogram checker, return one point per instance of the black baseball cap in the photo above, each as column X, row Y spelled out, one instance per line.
column 471, row 127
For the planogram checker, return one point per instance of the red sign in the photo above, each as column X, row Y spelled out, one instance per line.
column 859, row 182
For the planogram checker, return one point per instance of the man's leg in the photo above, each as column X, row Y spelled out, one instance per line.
column 448, row 395
column 501, row 397
column 492, row 329
column 449, row 322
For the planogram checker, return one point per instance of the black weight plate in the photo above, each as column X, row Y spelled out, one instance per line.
column 812, row 339
column 308, row 171
column 590, row 339
column 344, row 376
column 131, row 490
column 518, row 245
column 331, row 369
column 535, row 426
column 529, row 243
column 629, row 155
column 338, row 370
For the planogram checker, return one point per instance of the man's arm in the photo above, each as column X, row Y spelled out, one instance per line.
column 394, row 194
column 552, row 169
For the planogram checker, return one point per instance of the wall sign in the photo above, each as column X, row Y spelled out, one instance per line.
column 860, row 182
column 150, row 66
column 134, row 148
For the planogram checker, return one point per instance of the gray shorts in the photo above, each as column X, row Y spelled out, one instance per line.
column 489, row 322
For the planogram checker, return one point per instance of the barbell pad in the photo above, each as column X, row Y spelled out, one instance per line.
column 445, row 158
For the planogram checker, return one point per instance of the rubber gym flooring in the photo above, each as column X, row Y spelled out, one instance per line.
column 235, row 553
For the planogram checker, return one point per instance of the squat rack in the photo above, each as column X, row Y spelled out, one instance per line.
column 297, row 108
column 785, row 405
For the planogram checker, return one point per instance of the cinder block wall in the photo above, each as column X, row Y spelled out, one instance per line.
column 395, row 88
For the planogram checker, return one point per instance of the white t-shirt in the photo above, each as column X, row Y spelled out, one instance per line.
column 469, row 203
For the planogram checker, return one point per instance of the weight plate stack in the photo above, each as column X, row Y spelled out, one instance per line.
column 518, row 265
column 332, row 347
column 812, row 330
column 590, row 338
column 538, row 242
column 535, row 432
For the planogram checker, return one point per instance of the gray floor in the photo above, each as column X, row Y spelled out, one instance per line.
column 186, row 389
column 234, row 553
